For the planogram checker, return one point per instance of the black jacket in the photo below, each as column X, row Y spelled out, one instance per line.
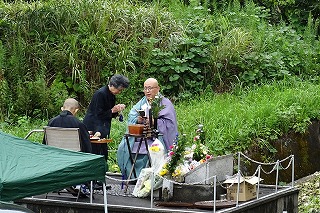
column 98, row 117
column 67, row 120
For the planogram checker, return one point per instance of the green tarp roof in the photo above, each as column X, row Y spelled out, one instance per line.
column 28, row 168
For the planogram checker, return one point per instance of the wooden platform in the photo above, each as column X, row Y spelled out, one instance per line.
column 286, row 199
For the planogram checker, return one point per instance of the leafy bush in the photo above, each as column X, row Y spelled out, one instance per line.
column 182, row 69
column 71, row 48
column 5, row 97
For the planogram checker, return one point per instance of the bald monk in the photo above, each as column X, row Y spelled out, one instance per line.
column 166, row 125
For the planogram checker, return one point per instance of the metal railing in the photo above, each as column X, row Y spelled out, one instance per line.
column 276, row 167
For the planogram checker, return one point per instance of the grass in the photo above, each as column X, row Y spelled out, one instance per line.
column 233, row 121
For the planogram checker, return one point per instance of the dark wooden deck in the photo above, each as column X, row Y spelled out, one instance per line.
column 285, row 200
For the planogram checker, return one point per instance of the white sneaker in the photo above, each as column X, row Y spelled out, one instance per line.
column 84, row 190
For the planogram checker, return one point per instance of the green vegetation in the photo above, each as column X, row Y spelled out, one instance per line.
column 245, row 69
column 232, row 121
column 308, row 194
column 236, row 121
column 50, row 50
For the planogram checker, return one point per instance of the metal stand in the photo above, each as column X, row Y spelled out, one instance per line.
column 142, row 138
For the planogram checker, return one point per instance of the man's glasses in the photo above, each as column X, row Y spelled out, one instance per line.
column 148, row 88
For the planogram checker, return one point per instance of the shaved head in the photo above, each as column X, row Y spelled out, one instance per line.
column 151, row 81
column 151, row 88
column 70, row 104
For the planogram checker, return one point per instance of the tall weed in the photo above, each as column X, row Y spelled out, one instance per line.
column 80, row 44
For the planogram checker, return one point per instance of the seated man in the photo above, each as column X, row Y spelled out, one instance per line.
column 67, row 119
column 166, row 125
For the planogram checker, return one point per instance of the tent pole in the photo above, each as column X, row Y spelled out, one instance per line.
column 105, row 196
column 91, row 191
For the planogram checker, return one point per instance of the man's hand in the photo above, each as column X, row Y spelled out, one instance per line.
column 142, row 120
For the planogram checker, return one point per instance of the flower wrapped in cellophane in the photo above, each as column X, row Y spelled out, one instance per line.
column 143, row 185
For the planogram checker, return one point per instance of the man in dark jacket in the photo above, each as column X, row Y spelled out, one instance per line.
column 103, row 108
column 67, row 119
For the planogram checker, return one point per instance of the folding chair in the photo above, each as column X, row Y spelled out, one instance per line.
column 65, row 138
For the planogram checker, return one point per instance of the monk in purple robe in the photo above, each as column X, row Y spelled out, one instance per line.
column 166, row 125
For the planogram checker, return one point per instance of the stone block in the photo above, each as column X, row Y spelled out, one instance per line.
column 221, row 166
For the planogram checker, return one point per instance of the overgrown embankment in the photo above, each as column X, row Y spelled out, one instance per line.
column 50, row 50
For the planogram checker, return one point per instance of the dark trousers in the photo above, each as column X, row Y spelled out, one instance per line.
column 100, row 149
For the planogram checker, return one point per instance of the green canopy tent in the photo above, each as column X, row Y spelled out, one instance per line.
column 28, row 168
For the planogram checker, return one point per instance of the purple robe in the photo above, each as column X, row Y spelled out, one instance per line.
column 167, row 127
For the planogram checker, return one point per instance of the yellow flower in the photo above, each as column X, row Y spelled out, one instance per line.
column 147, row 185
column 155, row 148
column 202, row 160
column 176, row 173
column 163, row 172
column 187, row 152
column 115, row 168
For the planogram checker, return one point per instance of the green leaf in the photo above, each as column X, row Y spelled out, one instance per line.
column 174, row 77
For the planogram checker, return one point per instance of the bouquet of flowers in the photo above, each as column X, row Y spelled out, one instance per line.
column 175, row 157
column 199, row 149
column 176, row 154
column 143, row 185
column 182, row 159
